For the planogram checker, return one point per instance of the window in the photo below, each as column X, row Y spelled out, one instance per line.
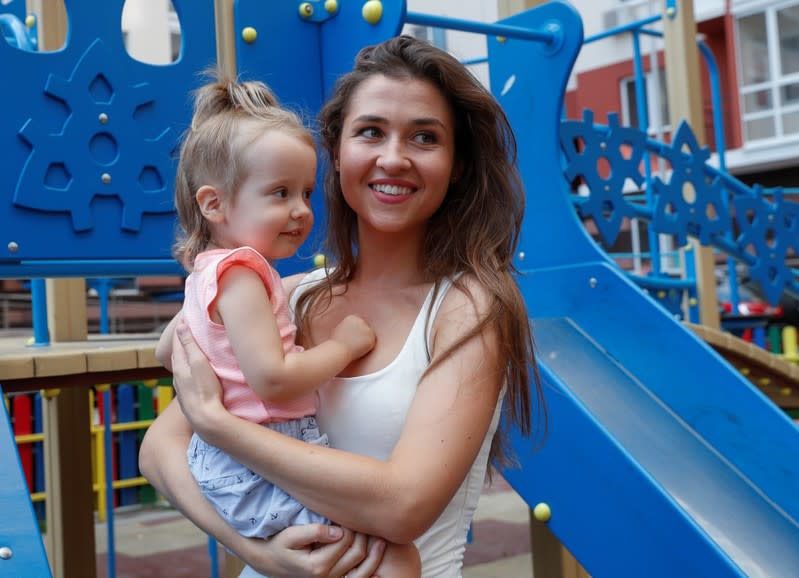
column 768, row 57
column 658, row 108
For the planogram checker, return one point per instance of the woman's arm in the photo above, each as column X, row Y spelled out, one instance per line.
column 401, row 497
column 163, row 351
column 292, row 553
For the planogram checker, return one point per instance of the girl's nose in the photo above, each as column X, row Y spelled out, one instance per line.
column 300, row 210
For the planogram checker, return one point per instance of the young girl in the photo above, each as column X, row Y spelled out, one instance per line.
column 244, row 180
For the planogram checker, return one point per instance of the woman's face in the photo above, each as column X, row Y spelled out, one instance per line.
column 396, row 156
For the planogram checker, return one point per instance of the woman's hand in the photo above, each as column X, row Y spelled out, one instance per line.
column 197, row 386
column 317, row 551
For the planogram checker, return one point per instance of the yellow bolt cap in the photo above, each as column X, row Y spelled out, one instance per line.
column 249, row 34
column 372, row 11
column 542, row 512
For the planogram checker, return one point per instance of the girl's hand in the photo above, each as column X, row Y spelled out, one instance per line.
column 197, row 386
column 317, row 551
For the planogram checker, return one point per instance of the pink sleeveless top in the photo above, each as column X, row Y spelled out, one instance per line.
column 201, row 291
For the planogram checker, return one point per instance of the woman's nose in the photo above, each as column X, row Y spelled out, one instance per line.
column 393, row 157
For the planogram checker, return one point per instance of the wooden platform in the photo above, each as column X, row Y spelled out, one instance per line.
column 775, row 377
column 100, row 359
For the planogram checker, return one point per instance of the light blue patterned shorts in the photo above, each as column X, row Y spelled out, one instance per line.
column 253, row 506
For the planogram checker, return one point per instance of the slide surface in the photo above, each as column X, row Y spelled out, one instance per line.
column 22, row 551
column 660, row 459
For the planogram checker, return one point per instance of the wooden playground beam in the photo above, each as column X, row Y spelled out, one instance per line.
column 685, row 103
column 776, row 378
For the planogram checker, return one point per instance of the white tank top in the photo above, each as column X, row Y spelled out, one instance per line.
column 365, row 415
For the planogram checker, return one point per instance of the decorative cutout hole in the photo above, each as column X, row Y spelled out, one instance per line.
column 711, row 212
column 688, row 192
column 57, row 176
column 152, row 31
column 607, row 210
column 603, row 168
column 771, row 237
column 150, row 179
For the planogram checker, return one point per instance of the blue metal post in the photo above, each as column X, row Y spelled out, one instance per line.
column 643, row 125
column 212, row 554
column 718, row 132
column 109, row 483
column 41, row 333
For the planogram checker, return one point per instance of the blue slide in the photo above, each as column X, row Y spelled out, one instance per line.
column 660, row 459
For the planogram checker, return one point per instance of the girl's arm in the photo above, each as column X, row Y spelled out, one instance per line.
column 246, row 312
column 291, row 553
column 401, row 497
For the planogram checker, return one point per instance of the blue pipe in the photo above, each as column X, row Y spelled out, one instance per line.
column 109, row 483
column 479, row 60
column 718, row 133
column 212, row 554
column 545, row 36
column 624, row 28
column 14, row 30
column 643, row 125
column 89, row 268
column 41, row 333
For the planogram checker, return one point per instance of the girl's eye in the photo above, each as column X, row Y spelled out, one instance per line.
column 425, row 138
column 307, row 194
column 282, row 193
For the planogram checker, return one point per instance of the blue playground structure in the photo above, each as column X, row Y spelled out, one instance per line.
column 660, row 458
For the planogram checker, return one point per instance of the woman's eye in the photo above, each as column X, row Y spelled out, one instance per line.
column 370, row 132
column 425, row 138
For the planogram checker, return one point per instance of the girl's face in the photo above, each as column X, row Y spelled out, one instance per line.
column 396, row 156
column 272, row 211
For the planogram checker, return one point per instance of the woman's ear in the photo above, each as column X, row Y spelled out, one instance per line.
column 210, row 201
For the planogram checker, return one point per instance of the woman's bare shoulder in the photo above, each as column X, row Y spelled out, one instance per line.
column 291, row 282
column 469, row 293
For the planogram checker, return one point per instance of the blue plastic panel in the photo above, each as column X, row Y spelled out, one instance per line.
column 88, row 136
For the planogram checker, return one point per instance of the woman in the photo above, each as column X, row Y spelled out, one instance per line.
column 425, row 206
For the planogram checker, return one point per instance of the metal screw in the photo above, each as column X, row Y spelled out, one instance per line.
column 5, row 553
column 603, row 145
column 521, row 255
column 13, row 247
column 103, row 118
column 592, row 282
column 106, row 178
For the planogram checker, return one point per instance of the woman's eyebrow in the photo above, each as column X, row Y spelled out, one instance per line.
column 428, row 121
column 423, row 121
column 370, row 118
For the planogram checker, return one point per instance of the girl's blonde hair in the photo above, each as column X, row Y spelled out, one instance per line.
column 228, row 116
